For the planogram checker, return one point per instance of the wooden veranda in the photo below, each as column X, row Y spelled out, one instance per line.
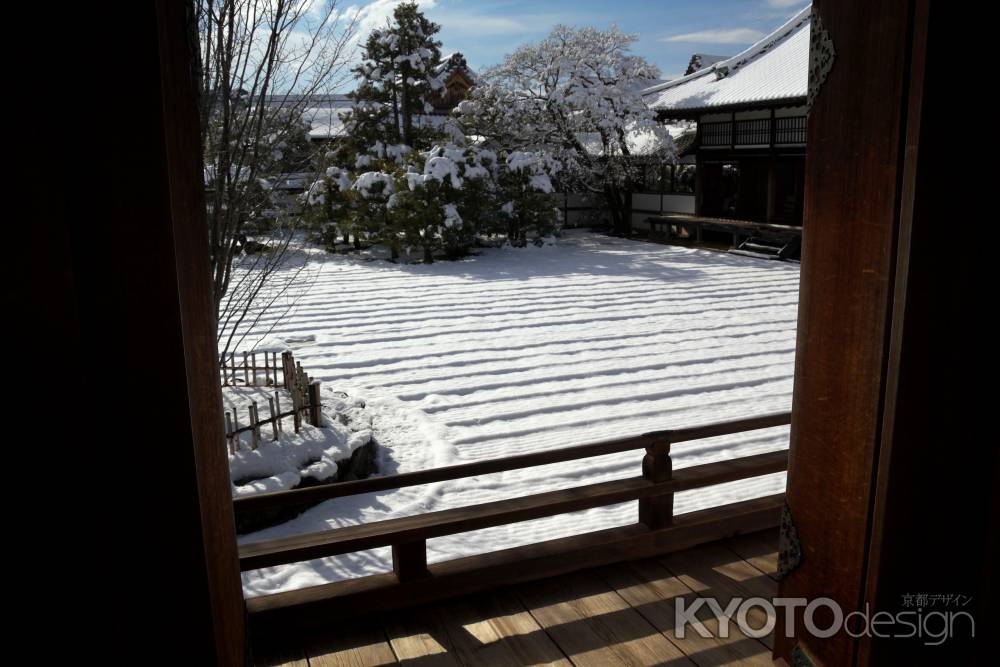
column 413, row 580
column 614, row 615
column 892, row 474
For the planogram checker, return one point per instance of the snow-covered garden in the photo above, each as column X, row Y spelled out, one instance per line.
column 521, row 350
column 524, row 339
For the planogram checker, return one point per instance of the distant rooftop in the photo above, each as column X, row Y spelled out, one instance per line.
column 775, row 68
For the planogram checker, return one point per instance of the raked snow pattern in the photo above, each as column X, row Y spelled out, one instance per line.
column 523, row 350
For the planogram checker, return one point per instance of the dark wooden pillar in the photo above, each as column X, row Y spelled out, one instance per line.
column 852, row 176
column 699, row 183
column 772, row 176
column 772, row 185
column 887, row 489
column 161, row 582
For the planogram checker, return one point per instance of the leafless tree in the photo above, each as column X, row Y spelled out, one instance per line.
column 262, row 64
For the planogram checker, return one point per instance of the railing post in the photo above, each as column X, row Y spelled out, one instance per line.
column 657, row 511
column 315, row 414
column 287, row 369
column 409, row 560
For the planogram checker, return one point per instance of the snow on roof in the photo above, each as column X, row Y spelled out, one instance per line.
column 315, row 100
column 326, row 122
column 454, row 61
column 776, row 67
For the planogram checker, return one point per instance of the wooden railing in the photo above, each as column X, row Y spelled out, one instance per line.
column 782, row 131
column 413, row 580
column 305, row 395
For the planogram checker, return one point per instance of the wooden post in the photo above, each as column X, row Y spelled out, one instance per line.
column 301, row 386
column 253, row 369
column 274, row 419
column 657, row 511
column 772, row 188
column 229, row 430
column 315, row 413
column 286, row 372
column 232, row 366
column 236, row 427
column 225, row 374
column 246, row 376
column 277, row 406
column 253, row 425
column 409, row 560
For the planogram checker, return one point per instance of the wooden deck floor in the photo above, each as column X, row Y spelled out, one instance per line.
column 616, row 615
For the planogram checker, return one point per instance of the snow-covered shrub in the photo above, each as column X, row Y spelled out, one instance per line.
column 432, row 201
column 326, row 206
column 525, row 188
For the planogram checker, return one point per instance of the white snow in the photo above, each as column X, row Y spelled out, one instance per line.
column 524, row 350
column 451, row 216
column 366, row 184
column 776, row 67
column 312, row 452
column 441, row 167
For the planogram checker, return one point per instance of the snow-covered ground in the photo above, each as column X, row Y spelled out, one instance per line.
column 279, row 465
column 525, row 350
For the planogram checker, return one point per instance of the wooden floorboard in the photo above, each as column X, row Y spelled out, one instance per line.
column 351, row 645
column 594, row 625
column 655, row 592
column 496, row 629
column 280, row 656
column 418, row 636
column 759, row 549
column 713, row 570
column 615, row 615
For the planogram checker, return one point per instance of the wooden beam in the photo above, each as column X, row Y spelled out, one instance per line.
column 349, row 539
column 301, row 608
column 318, row 493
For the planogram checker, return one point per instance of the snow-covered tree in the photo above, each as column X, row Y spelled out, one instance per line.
column 396, row 74
column 414, row 185
column 440, row 196
column 576, row 97
column 526, row 209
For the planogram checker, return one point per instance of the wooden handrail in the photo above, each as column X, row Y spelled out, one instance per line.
column 419, row 528
column 316, row 494
column 293, row 610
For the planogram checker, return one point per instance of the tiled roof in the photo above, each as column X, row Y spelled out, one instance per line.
column 775, row 68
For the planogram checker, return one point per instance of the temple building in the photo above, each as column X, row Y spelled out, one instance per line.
column 748, row 153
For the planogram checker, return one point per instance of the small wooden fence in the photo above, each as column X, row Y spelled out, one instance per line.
column 305, row 393
column 413, row 581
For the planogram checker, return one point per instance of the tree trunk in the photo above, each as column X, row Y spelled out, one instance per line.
column 621, row 215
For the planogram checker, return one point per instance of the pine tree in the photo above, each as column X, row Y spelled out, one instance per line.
column 527, row 190
column 394, row 78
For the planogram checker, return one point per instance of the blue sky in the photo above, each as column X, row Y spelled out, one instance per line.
column 669, row 30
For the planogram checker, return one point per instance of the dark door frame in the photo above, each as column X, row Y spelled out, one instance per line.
column 867, row 429
column 888, row 491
